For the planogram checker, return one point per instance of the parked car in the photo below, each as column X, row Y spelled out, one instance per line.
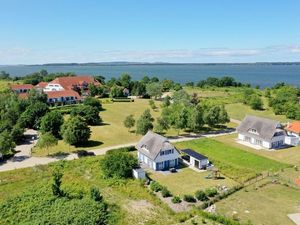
column 173, row 170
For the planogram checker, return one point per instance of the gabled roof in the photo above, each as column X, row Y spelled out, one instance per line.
column 294, row 127
column 151, row 144
column 21, row 86
column 264, row 127
column 194, row 154
column 42, row 84
column 69, row 82
column 65, row 93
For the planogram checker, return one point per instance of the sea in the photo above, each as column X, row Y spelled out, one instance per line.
column 264, row 75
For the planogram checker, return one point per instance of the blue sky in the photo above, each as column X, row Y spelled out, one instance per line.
column 44, row 31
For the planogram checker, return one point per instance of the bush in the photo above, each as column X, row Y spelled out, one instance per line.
column 155, row 186
column 176, row 199
column 89, row 113
column 189, row 198
column 93, row 102
column 165, row 192
column 211, row 192
column 201, row 196
column 118, row 164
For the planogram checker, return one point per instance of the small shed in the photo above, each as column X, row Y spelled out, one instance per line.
column 195, row 159
column 139, row 173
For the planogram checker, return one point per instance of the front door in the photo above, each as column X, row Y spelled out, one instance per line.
column 167, row 164
column 197, row 163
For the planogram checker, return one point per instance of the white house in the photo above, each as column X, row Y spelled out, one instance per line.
column 262, row 132
column 157, row 152
column 293, row 131
column 195, row 159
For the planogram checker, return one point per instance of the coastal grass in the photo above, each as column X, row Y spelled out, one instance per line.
column 128, row 199
column 257, row 204
column 233, row 162
column 188, row 181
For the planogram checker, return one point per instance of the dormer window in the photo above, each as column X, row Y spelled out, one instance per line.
column 253, row 131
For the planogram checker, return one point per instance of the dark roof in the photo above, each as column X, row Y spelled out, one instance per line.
column 194, row 154
column 151, row 144
column 264, row 127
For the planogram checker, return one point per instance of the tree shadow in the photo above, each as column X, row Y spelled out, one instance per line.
column 90, row 143
column 59, row 155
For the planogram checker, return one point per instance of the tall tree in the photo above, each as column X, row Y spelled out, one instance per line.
column 7, row 145
column 129, row 122
column 154, row 90
column 144, row 123
column 75, row 131
column 52, row 123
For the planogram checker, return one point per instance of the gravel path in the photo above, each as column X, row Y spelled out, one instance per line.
column 24, row 160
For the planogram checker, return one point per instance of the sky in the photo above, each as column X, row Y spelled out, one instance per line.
column 196, row 31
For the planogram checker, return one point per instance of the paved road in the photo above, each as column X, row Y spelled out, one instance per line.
column 28, row 161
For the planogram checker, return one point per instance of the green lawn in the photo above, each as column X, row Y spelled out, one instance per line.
column 239, row 111
column 288, row 155
column 188, row 181
column 268, row 205
column 233, row 162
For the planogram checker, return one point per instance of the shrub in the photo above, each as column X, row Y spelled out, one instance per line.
column 89, row 113
column 155, row 186
column 176, row 199
column 118, row 164
column 211, row 192
column 93, row 102
column 189, row 198
column 201, row 196
column 165, row 192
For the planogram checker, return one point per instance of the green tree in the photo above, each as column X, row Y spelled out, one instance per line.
column 93, row 89
column 162, row 125
column 88, row 113
column 167, row 101
column 92, row 102
column 211, row 116
column 56, row 185
column 255, row 102
column 96, row 195
column 195, row 118
column 181, row 97
column 35, row 96
column 17, row 133
column 116, row 91
column 118, row 164
column 154, row 90
column 7, row 145
column 129, row 122
column 46, row 141
column 31, row 118
column 144, row 123
column 125, row 80
column 75, row 131
column 152, row 104
column 52, row 123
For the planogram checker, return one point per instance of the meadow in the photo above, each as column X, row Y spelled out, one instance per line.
column 233, row 162
column 267, row 204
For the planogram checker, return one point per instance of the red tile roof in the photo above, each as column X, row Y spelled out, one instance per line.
column 66, row 93
column 42, row 84
column 69, row 82
column 21, row 86
column 294, row 127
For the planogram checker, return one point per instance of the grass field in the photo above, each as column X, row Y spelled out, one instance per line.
column 268, row 205
column 188, row 181
column 239, row 111
column 112, row 132
column 233, row 162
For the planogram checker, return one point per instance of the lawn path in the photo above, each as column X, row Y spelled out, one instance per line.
column 13, row 164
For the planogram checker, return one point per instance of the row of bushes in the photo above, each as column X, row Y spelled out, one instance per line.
column 122, row 100
column 201, row 195
column 156, row 187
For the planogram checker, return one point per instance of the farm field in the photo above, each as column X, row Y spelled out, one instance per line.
column 268, row 205
column 188, row 181
column 128, row 199
column 233, row 162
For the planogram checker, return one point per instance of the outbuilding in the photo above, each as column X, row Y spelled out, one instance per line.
column 139, row 173
column 195, row 159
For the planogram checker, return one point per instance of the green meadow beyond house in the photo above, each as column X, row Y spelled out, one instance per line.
column 156, row 152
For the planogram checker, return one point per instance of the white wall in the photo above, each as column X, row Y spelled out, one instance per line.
column 162, row 158
column 53, row 87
